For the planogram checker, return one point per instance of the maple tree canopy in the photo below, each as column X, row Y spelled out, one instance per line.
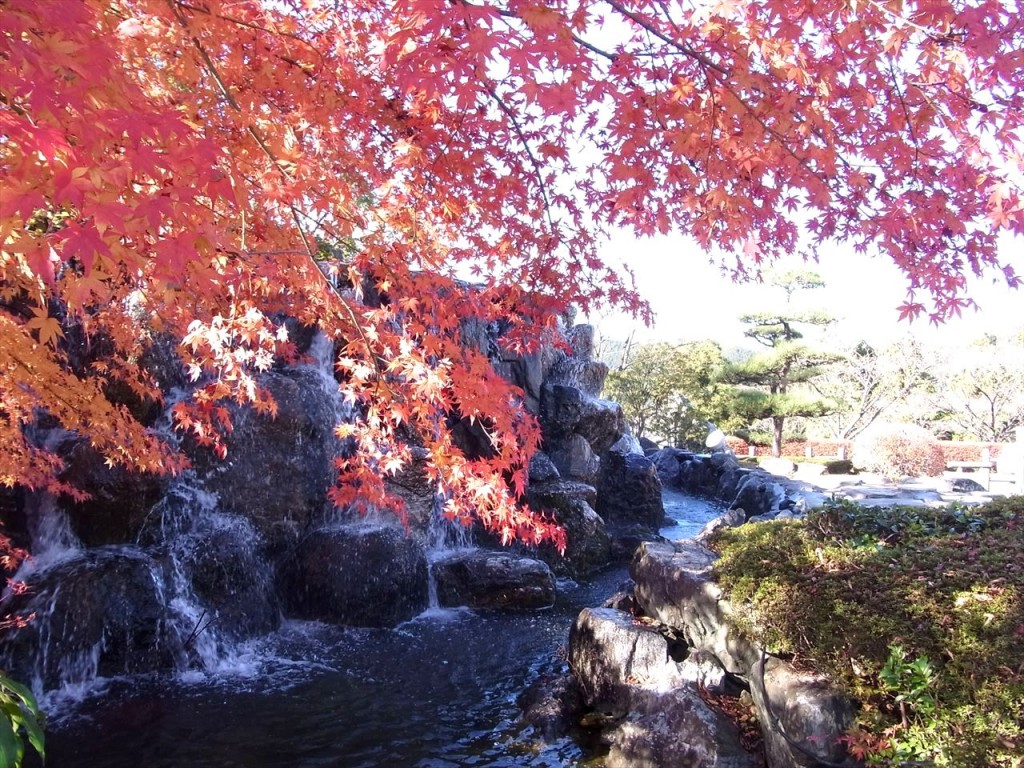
column 177, row 166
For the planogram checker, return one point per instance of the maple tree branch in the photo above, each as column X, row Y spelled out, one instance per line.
column 538, row 172
column 681, row 47
column 261, row 142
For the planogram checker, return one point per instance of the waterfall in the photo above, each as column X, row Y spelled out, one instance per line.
column 444, row 538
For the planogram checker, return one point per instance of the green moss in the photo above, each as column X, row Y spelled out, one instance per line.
column 843, row 587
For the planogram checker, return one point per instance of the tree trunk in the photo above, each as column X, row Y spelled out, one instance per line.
column 777, row 422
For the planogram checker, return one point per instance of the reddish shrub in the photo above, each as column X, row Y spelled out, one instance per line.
column 899, row 450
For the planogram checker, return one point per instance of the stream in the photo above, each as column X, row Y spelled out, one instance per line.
column 436, row 692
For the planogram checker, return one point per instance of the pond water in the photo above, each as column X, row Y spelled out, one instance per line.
column 437, row 692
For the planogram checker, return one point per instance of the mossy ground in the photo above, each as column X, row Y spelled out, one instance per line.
column 848, row 589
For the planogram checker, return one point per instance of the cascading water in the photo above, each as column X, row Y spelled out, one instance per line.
column 444, row 539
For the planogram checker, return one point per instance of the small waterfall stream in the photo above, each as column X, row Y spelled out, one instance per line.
column 436, row 692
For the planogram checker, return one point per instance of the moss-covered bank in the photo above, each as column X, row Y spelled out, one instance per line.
column 918, row 612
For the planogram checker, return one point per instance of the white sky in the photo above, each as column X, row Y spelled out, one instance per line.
column 693, row 300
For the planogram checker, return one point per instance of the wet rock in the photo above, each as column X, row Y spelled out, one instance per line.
column 230, row 578
column 542, row 469
column 119, row 500
column 667, row 462
column 610, row 654
column 649, row 446
column 574, row 459
column 483, row 579
column 629, row 491
column 278, row 469
column 588, row 546
column 698, row 475
column 729, row 519
column 362, row 575
column 552, row 496
column 566, row 411
column 100, row 613
column 550, row 705
column 675, row 728
column 757, row 496
column 588, row 376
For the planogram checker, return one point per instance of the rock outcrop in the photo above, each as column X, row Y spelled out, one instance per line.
column 627, row 671
column 362, row 575
column 802, row 717
column 493, row 580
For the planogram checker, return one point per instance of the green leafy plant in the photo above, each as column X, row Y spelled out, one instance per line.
column 20, row 719
column 911, row 682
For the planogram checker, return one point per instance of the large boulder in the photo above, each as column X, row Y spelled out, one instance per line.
column 588, row 546
column 698, row 475
column 667, row 462
column 567, row 410
column 550, row 705
column 485, row 579
column 811, row 713
column 119, row 500
column 102, row 612
column 676, row 729
column 575, row 459
column 585, row 375
column 362, row 575
column 298, row 444
column 758, row 495
column 802, row 717
column 674, row 585
column 629, row 492
column 222, row 563
column 628, row 670
column 610, row 654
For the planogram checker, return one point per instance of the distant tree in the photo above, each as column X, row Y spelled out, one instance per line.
column 868, row 382
column 980, row 391
column 767, row 384
column 670, row 390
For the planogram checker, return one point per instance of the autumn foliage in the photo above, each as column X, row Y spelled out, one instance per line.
column 178, row 166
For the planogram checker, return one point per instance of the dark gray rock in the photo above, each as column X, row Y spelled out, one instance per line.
column 281, row 468
column 697, row 475
column 667, row 461
column 101, row 613
column 554, row 496
column 629, row 492
column 806, row 708
column 611, row 654
column 588, row 546
column 673, row 585
column 483, row 579
column 588, row 376
column 757, row 495
column 649, row 446
column 550, row 706
column 362, row 575
column 965, row 485
column 729, row 519
column 566, row 411
column 574, row 459
column 119, row 500
column 230, row 579
column 581, row 340
column 676, row 729
column 542, row 468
